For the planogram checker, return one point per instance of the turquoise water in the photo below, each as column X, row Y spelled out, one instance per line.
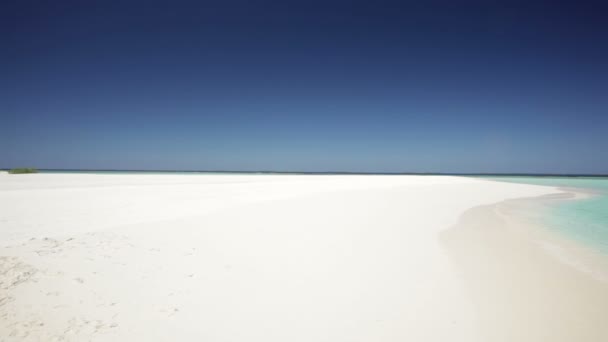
column 585, row 220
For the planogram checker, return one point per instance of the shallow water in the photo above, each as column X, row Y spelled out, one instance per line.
column 585, row 220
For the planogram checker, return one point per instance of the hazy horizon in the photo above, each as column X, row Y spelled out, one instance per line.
column 322, row 172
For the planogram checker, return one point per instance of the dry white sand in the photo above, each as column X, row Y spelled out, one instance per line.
column 237, row 257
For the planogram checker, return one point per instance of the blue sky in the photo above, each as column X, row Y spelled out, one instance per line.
column 305, row 86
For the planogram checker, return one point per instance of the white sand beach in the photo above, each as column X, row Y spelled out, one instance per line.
column 161, row 257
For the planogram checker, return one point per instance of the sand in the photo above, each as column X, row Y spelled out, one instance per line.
column 256, row 258
column 522, row 289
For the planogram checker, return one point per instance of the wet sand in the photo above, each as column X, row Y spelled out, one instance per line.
column 524, row 280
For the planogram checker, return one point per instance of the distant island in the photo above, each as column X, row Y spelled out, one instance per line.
column 22, row 170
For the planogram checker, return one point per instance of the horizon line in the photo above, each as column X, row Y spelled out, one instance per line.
column 538, row 174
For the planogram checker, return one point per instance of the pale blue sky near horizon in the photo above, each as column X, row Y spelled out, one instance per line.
column 305, row 86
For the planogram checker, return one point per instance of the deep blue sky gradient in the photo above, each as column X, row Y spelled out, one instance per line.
column 305, row 86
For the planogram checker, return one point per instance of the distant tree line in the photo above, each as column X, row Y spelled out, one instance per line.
column 22, row 170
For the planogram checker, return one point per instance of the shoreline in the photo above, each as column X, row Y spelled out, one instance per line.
column 529, row 283
column 583, row 256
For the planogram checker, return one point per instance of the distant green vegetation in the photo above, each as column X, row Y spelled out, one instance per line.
column 22, row 170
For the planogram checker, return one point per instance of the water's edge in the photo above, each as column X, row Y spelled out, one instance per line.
column 528, row 282
column 580, row 213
